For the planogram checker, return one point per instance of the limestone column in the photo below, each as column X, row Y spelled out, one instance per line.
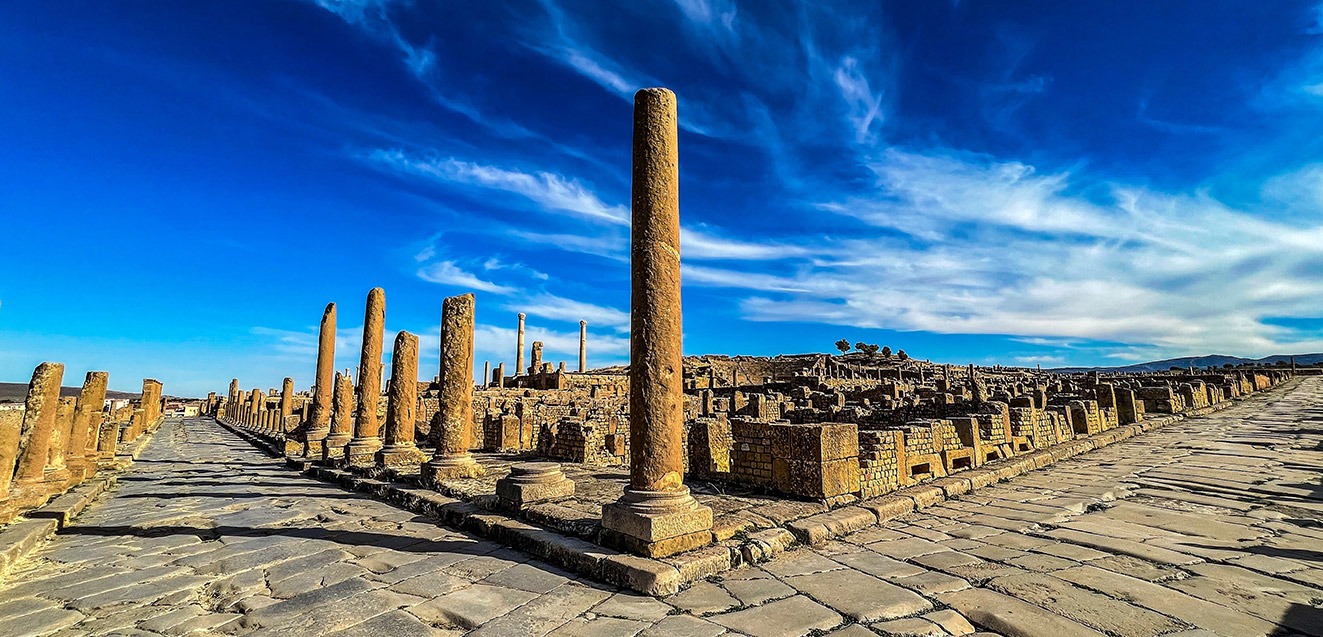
column 342, row 422
column 500, row 376
column 400, row 451
column 34, row 442
column 361, row 451
column 519, row 343
column 486, row 372
column 87, row 426
column 286, row 404
column 583, row 346
column 452, row 423
column 232, row 405
column 536, row 367
column 57, row 475
column 319, row 417
column 656, row 516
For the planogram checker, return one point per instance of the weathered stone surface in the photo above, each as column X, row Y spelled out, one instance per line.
column 790, row 617
column 861, row 597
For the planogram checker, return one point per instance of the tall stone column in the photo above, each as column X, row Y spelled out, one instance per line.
column 486, row 373
column 34, row 441
column 453, row 421
column 232, row 404
column 583, row 346
column 286, row 404
column 656, row 516
column 400, row 451
column 342, row 421
column 256, row 403
column 361, row 451
column 500, row 376
column 519, row 344
column 87, row 426
column 319, row 416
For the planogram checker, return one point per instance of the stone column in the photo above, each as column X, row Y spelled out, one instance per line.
column 453, row 421
column 256, row 403
column 500, row 376
column 362, row 450
column 400, row 451
column 232, row 405
column 536, row 367
column 57, row 475
column 486, row 372
column 342, row 422
column 656, row 516
column 34, row 441
column 319, row 418
column 286, row 404
column 583, row 346
column 519, row 343
column 87, row 426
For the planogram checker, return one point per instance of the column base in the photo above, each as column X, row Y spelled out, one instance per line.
column 405, row 457
column 57, row 481
column 362, row 452
column 657, row 523
column 28, row 495
column 333, row 448
column 440, row 469
column 313, row 443
column 533, row 482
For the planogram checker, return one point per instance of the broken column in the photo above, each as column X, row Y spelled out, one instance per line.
column 656, row 516
column 452, row 423
column 87, row 425
column 29, row 472
column 400, row 452
column 486, row 372
column 536, row 367
column 519, row 343
column 500, row 375
column 342, row 421
column 57, row 476
column 319, row 417
column 533, row 483
column 362, row 450
column 583, row 346
column 286, row 404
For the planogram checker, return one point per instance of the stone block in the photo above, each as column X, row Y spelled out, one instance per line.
column 818, row 442
column 814, row 479
column 532, row 483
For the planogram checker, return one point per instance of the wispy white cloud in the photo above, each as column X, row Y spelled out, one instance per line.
column 550, row 191
column 448, row 273
column 562, row 309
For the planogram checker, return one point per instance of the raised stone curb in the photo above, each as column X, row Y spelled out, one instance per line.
column 66, row 507
column 19, row 538
column 670, row 575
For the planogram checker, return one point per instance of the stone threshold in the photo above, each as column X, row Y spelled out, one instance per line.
column 666, row 576
column 21, row 537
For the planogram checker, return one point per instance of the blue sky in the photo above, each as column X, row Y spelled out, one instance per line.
column 185, row 185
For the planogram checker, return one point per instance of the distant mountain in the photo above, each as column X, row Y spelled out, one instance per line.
column 1211, row 360
column 18, row 392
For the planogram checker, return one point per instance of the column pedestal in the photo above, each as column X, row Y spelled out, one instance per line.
column 438, row 470
column 404, row 456
column 657, row 523
column 532, row 483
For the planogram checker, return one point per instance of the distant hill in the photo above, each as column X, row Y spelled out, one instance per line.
column 18, row 392
column 1211, row 360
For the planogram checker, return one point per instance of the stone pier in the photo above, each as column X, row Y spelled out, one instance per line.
column 319, row 418
column 341, row 429
column 28, row 488
column 583, row 346
column 486, row 372
column 362, row 450
column 536, row 367
column 57, row 477
column 400, row 451
column 656, row 516
column 87, row 426
column 452, row 423
column 519, row 344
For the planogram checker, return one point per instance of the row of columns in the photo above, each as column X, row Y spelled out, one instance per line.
column 59, row 442
column 656, row 515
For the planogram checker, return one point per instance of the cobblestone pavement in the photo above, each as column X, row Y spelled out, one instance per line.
column 1207, row 526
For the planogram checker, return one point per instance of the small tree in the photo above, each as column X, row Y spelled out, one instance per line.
column 866, row 348
column 902, row 355
column 843, row 345
column 886, row 352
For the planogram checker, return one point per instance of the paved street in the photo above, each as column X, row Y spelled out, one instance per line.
column 1208, row 526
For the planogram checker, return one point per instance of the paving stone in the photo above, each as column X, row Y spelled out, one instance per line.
column 877, row 565
column 41, row 622
column 950, row 621
column 1086, row 607
column 473, row 606
column 1012, row 617
column 859, row 596
column 633, row 606
column 932, row 583
column 682, row 626
column 703, row 598
column 544, row 614
column 751, row 592
column 601, row 627
column 911, row 627
column 528, row 577
column 791, row 617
